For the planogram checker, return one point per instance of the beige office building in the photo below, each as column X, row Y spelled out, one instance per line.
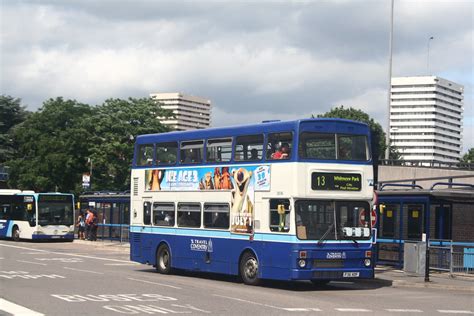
column 190, row 112
column 426, row 115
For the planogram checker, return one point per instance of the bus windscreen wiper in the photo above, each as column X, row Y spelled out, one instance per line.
column 323, row 237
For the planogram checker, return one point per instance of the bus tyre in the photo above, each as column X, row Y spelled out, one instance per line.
column 249, row 269
column 163, row 260
column 16, row 233
column 318, row 283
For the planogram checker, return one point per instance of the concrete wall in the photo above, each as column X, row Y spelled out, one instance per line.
column 390, row 173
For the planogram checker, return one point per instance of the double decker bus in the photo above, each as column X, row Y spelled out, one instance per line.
column 277, row 200
column 36, row 216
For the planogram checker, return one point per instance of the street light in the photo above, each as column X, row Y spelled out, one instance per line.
column 428, row 55
column 390, row 47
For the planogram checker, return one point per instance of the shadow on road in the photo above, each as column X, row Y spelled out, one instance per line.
column 298, row 286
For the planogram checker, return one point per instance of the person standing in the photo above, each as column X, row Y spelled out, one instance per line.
column 89, row 218
column 81, row 225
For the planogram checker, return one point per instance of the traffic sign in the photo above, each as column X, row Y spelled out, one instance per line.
column 363, row 220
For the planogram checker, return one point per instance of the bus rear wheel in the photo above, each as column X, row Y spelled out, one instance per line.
column 163, row 260
column 16, row 234
column 249, row 269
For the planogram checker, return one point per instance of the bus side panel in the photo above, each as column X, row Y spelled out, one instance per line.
column 6, row 226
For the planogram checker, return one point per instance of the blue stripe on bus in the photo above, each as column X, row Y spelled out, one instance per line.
column 227, row 234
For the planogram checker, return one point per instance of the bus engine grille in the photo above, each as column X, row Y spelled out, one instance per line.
column 317, row 263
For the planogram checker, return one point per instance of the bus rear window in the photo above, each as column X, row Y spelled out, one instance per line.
column 317, row 146
column 145, row 155
column 166, row 153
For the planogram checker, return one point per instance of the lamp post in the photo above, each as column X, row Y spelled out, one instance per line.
column 428, row 56
column 89, row 160
column 390, row 47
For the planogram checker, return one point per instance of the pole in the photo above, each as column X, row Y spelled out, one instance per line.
column 90, row 175
column 428, row 56
column 390, row 48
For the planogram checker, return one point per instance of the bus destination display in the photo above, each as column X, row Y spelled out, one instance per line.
column 336, row 181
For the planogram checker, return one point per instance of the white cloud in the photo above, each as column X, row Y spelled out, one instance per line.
column 255, row 61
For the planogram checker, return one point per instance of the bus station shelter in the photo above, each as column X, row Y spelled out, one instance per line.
column 113, row 211
column 406, row 212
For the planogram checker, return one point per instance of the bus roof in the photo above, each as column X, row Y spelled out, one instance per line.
column 331, row 124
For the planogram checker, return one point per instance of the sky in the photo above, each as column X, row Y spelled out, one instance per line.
column 255, row 60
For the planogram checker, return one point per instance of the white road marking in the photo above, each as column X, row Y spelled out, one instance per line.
column 14, row 309
column 65, row 254
column 144, row 281
column 246, row 301
column 356, row 310
column 123, row 264
column 447, row 311
column 399, row 310
column 302, row 309
column 41, row 264
column 191, row 307
column 88, row 271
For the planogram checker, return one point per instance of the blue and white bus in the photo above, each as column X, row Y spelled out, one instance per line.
column 36, row 216
column 278, row 200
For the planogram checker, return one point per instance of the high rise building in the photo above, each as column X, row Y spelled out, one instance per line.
column 190, row 112
column 426, row 118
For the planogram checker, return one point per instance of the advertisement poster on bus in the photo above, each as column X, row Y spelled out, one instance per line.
column 241, row 181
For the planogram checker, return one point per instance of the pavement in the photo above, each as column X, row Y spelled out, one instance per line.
column 384, row 275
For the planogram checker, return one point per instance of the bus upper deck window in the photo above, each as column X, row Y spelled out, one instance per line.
column 219, row 150
column 279, row 145
column 166, row 153
column 145, row 155
column 352, row 147
column 317, row 146
column 191, row 151
column 248, row 148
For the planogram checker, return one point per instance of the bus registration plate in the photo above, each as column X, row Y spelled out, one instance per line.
column 350, row 275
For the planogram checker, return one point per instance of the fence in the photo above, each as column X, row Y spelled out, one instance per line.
column 447, row 256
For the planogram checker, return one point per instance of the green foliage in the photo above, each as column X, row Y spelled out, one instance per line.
column 12, row 113
column 469, row 156
column 55, row 143
column 115, row 125
column 378, row 144
column 51, row 146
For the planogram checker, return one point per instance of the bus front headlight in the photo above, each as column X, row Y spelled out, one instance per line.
column 302, row 263
column 367, row 262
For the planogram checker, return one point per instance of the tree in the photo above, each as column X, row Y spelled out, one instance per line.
column 51, row 147
column 378, row 144
column 12, row 113
column 55, row 143
column 114, row 126
column 469, row 156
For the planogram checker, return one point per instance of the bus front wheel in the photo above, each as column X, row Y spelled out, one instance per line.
column 249, row 269
column 163, row 260
column 16, row 234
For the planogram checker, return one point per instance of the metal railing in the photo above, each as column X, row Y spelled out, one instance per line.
column 427, row 164
column 448, row 257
